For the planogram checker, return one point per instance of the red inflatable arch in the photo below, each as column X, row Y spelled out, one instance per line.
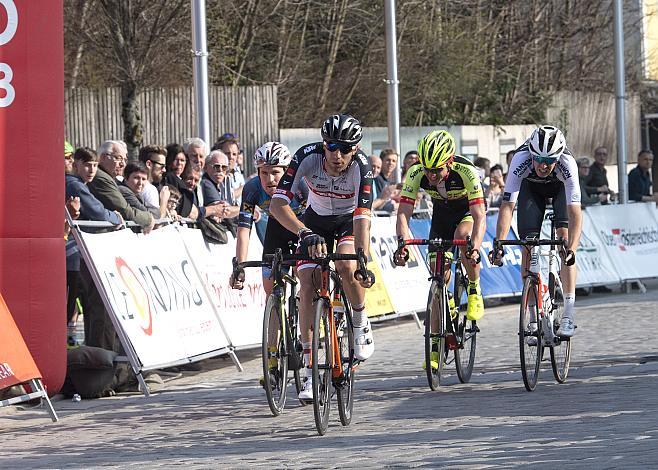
column 32, row 258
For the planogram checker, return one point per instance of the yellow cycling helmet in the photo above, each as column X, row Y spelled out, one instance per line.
column 436, row 149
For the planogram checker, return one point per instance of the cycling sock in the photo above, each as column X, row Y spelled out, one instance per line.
column 307, row 354
column 569, row 302
column 359, row 316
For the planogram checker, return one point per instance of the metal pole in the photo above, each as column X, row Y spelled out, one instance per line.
column 200, row 51
column 392, row 81
column 620, row 102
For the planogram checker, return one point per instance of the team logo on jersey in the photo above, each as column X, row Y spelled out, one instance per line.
column 365, row 201
column 290, row 172
column 369, row 175
column 564, row 169
column 519, row 170
column 366, row 189
column 309, row 149
column 363, row 159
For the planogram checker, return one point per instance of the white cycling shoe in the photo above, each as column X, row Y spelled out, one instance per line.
column 306, row 394
column 364, row 344
column 567, row 327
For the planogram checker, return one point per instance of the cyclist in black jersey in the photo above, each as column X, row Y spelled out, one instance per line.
column 541, row 169
column 338, row 213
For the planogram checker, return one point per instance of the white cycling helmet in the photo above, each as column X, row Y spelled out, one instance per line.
column 547, row 143
column 273, row 154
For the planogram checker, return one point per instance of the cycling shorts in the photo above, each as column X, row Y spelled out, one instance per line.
column 333, row 228
column 446, row 216
column 277, row 236
column 532, row 205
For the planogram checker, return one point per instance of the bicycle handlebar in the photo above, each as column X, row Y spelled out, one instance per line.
column 436, row 243
column 530, row 242
column 290, row 259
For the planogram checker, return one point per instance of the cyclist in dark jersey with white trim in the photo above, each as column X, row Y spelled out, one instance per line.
column 544, row 168
column 271, row 160
column 339, row 178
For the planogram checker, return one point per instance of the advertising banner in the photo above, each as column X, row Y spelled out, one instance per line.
column 241, row 311
column 630, row 237
column 16, row 363
column 407, row 287
column 159, row 300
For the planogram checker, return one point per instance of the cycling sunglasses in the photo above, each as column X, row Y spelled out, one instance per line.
column 435, row 171
column 343, row 148
column 546, row 160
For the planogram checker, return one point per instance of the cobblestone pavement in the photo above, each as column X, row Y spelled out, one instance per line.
column 604, row 416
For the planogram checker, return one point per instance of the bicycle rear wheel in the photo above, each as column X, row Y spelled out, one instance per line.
column 435, row 347
column 530, row 343
column 467, row 332
column 295, row 350
column 345, row 384
column 274, row 354
column 561, row 352
column 321, row 360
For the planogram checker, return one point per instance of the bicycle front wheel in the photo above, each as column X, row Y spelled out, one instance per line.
column 466, row 331
column 530, row 342
column 274, row 354
column 561, row 352
column 435, row 347
column 345, row 385
column 321, row 359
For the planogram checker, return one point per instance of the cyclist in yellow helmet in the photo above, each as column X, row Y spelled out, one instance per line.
column 453, row 183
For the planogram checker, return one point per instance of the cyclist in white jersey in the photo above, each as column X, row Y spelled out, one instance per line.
column 543, row 168
column 339, row 180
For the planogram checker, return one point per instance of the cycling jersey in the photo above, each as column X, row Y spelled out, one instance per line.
column 521, row 168
column 254, row 195
column 347, row 193
column 462, row 184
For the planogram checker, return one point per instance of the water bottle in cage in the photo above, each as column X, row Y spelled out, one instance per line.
column 534, row 261
column 339, row 310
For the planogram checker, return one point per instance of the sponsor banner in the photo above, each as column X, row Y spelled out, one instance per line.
column 159, row 301
column 407, row 287
column 16, row 363
column 241, row 311
column 504, row 280
column 629, row 234
column 378, row 301
column 592, row 260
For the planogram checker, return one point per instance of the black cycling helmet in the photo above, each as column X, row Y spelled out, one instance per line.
column 342, row 128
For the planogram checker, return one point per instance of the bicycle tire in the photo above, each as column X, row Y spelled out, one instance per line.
column 561, row 352
column 321, row 359
column 467, row 332
column 345, row 386
column 275, row 381
column 530, row 355
column 295, row 347
column 434, row 311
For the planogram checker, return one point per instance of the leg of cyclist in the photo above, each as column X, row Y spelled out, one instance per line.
column 475, row 309
column 567, row 273
column 309, row 279
column 364, row 344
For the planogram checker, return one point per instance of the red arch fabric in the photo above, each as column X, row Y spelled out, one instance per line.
column 32, row 258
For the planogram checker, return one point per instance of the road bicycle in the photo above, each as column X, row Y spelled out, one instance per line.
column 281, row 343
column 547, row 296
column 332, row 349
column 447, row 328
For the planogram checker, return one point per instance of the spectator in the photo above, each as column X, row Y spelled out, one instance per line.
column 587, row 199
column 483, row 164
column 508, row 160
column 132, row 188
column 230, row 146
column 494, row 192
column 410, row 158
column 188, row 205
column 216, row 185
column 68, row 158
column 105, row 187
column 176, row 160
column 597, row 182
column 389, row 159
column 196, row 150
column 98, row 327
column 172, row 203
column 154, row 158
column 381, row 201
column 639, row 179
